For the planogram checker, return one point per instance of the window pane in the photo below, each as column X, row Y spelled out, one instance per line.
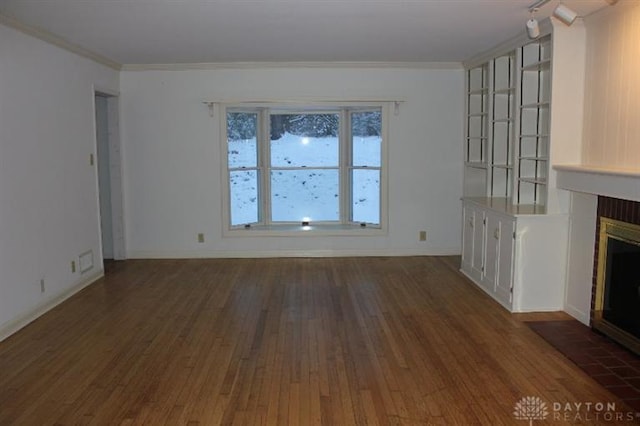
column 366, row 131
column 366, row 196
column 243, row 196
column 304, row 140
column 241, row 139
column 298, row 195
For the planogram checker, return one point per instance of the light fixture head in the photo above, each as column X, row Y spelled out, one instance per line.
column 533, row 29
column 565, row 14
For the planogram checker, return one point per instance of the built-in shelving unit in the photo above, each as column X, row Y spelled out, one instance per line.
column 515, row 219
column 477, row 130
column 503, row 90
column 533, row 138
column 507, row 126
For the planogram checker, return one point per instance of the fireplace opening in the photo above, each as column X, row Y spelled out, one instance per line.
column 617, row 308
column 622, row 286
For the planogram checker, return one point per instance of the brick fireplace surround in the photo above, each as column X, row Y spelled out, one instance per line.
column 614, row 367
column 613, row 208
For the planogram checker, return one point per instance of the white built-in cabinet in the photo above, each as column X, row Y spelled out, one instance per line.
column 515, row 255
column 515, row 220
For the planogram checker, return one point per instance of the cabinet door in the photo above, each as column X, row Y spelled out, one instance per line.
column 467, row 237
column 504, row 268
column 473, row 241
column 492, row 254
column 498, row 265
column 478, row 244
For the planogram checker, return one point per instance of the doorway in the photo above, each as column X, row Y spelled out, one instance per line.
column 109, row 173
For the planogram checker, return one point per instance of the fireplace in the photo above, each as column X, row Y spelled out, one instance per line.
column 616, row 302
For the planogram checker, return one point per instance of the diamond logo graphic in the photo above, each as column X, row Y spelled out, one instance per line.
column 530, row 408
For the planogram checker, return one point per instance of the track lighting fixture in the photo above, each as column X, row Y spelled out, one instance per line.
column 561, row 12
column 533, row 29
column 565, row 14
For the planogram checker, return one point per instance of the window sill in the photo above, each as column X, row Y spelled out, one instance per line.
column 305, row 231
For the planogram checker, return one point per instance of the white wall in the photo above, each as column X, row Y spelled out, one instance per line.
column 567, row 115
column 172, row 158
column 582, row 234
column 612, row 106
column 610, row 134
column 48, row 190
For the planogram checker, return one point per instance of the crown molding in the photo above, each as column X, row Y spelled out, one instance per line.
column 615, row 7
column 55, row 40
column 262, row 65
column 58, row 41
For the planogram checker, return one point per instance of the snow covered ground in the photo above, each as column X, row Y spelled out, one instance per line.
column 311, row 193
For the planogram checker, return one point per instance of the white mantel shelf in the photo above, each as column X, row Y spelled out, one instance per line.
column 606, row 181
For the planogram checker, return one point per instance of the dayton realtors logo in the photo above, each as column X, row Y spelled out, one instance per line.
column 532, row 408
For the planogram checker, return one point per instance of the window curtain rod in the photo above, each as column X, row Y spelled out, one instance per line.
column 395, row 101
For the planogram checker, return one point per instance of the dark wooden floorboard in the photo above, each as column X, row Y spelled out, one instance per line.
column 338, row 341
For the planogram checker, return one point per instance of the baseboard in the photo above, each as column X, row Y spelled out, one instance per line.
column 532, row 309
column 220, row 254
column 578, row 314
column 23, row 320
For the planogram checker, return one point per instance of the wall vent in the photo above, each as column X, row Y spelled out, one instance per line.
column 86, row 261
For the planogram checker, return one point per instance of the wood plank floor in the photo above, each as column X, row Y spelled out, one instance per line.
column 339, row 341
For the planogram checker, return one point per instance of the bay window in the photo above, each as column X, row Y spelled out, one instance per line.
column 313, row 168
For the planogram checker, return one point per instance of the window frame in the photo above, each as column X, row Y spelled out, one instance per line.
column 345, row 224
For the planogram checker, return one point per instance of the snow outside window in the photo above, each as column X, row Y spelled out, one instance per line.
column 308, row 167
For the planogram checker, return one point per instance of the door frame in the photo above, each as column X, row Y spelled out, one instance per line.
column 115, row 172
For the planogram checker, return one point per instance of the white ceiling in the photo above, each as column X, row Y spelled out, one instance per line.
column 193, row 31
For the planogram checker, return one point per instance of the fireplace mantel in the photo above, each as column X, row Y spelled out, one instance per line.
column 606, row 181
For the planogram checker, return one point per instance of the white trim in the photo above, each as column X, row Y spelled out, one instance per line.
column 309, row 64
column 222, row 254
column 323, row 230
column 224, row 167
column 583, row 317
column 384, row 169
column 248, row 103
column 599, row 170
column 103, row 91
column 22, row 321
column 116, row 175
column 265, row 227
column 115, row 172
column 620, row 7
column 58, row 41
column 599, row 180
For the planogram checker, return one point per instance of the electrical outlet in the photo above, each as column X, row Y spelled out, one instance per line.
column 201, row 237
column 73, row 266
column 423, row 236
column 42, row 285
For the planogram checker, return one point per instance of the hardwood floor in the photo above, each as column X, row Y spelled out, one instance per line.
column 337, row 341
